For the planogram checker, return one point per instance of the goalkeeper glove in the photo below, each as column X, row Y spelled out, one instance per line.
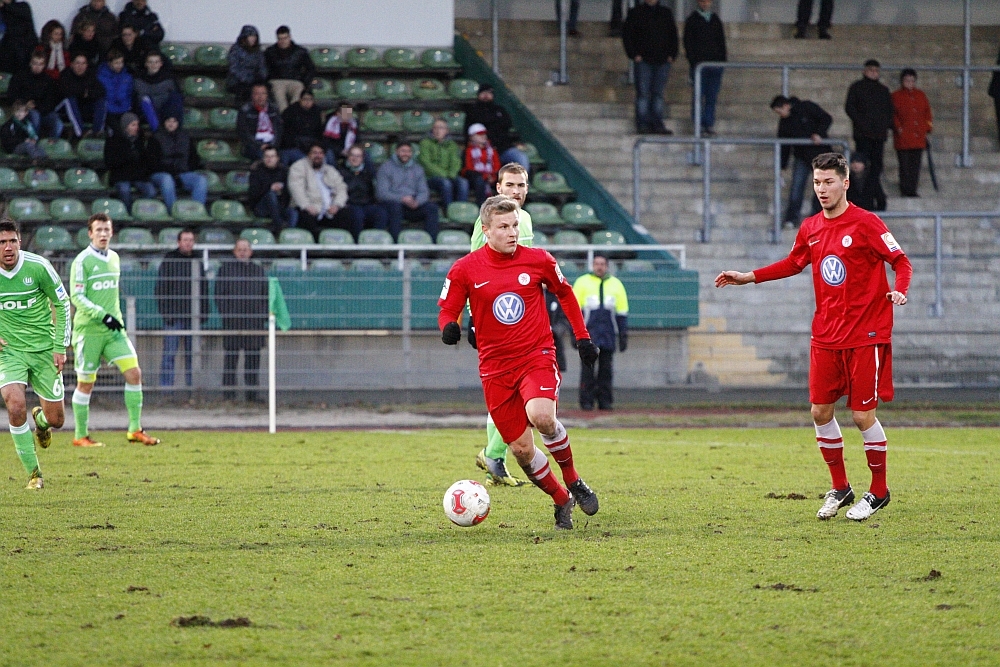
column 111, row 323
column 451, row 334
column 588, row 351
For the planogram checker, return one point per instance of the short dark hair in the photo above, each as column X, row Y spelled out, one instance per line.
column 259, row 84
column 115, row 54
column 308, row 92
column 834, row 161
column 283, row 30
column 315, row 144
column 341, row 104
column 97, row 217
column 8, row 225
column 909, row 71
column 267, row 147
column 871, row 62
column 779, row 101
column 187, row 230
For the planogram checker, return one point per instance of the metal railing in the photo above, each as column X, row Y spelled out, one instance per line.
column 705, row 144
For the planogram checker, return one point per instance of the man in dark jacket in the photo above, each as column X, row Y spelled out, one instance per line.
column 650, row 40
column 604, row 302
column 268, row 191
column 869, row 106
column 147, row 24
column 175, row 162
column 178, row 279
column 241, row 298
column 20, row 39
column 258, row 123
column 498, row 125
column 303, row 126
column 361, row 210
column 705, row 41
column 41, row 93
column 289, row 69
column 133, row 47
column 83, row 96
column 129, row 160
column 104, row 21
column 994, row 92
column 801, row 119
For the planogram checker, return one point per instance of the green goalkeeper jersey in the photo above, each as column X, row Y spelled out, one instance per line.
column 524, row 233
column 27, row 294
column 94, row 279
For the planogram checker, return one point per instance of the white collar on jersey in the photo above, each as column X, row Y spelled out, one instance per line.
column 17, row 267
column 102, row 255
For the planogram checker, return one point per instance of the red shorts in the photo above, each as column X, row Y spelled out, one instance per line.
column 863, row 374
column 507, row 393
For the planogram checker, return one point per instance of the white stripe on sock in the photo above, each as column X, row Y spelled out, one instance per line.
column 133, row 387
column 557, row 436
column 18, row 430
column 80, row 398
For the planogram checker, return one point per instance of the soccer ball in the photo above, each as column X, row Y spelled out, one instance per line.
column 466, row 503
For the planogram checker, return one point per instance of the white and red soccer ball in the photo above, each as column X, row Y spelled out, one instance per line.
column 466, row 503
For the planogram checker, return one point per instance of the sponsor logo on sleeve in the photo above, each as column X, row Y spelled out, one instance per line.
column 833, row 271
column 61, row 292
column 444, row 290
column 559, row 273
column 890, row 242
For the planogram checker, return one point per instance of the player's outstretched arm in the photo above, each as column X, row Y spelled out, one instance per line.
column 734, row 278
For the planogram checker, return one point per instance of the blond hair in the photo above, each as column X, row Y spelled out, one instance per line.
column 496, row 205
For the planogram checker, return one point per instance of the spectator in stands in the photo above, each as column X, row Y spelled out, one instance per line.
column 290, row 70
column 801, row 119
column 650, row 40
column 178, row 279
column 805, row 13
column 869, row 106
column 340, row 132
column 402, row 187
column 442, row 161
column 302, row 127
column 913, row 122
column 19, row 136
column 604, row 303
column 481, row 163
column 858, row 194
column 268, row 192
column 118, row 88
column 20, row 39
column 994, row 92
column 318, row 191
column 615, row 25
column 54, row 48
column 83, row 96
column 129, row 160
column 105, row 23
column 498, row 125
column 156, row 91
column 241, row 296
column 85, row 42
column 41, row 94
column 574, row 12
column 145, row 21
column 133, row 48
column 705, row 41
column 246, row 65
column 175, row 161
column 258, row 123
column 362, row 209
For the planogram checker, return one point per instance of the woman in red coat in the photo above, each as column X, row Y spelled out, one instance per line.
column 913, row 122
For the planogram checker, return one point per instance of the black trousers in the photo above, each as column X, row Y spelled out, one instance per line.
column 805, row 13
column 996, row 109
column 250, row 345
column 597, row 387
column 875, row 150
column 909, row 170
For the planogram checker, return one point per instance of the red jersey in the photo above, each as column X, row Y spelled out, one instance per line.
column 847, row 255
column 505, row 297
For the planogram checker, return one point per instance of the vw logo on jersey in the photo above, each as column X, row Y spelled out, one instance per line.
column 833, row 271
column 508, row 308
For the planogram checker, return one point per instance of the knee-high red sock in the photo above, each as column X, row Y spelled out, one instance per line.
column 831, row 446
column 558, row 446
column 539, row 472
column 875, row 449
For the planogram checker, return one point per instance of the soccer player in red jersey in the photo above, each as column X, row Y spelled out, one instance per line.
column 851, row 351
column 502, row 282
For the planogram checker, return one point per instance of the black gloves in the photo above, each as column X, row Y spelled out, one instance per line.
column 113, row 324
column 451, row 334
column 622, row 342
column 588, row 351
column 472, row 335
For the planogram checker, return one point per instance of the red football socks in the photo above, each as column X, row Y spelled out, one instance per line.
column 875, row 450
column 558, row 446
column 831, row 446
column 539, row 472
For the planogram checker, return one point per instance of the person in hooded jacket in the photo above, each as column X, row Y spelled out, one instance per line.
column 145, row 20
column 401, row 186
column 175, row 161
column 118, row 88
column 156, row 91
column 303, row 126
column 20, row 39
column 105, row 23
column 246, row 64
column 55, row 48
column 130, row 161
column 132, row 47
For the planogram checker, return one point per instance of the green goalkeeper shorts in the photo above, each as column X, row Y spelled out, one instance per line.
column 36, row 368
column 112, row 346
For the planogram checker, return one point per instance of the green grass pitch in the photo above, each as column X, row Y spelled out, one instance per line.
column 335, row 547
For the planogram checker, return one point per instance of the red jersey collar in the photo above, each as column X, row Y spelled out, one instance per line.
column 499, row 256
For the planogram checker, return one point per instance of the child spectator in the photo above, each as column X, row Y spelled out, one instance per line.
column 246, row 64
column 118, row 85
column 145, row 21
column 19, row 136
column 289, row 69
column 54, row 48
column 340, row 133
column 133, row 47
column 481, row 163
column 84, row 41
column 157, row 93
column 40, row 93
column 303, row 123
column 442, row 160
column 83, row 96
column 268, row 193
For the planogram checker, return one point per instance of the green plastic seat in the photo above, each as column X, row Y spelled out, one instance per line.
column 189, row 210
column 363, row 56
column 238, row 181
column 42, row 179
column 114, row 208
column 90, row 150
column 454, row 237
column 83, row 179
column 4, row 82
column 418, row 122
column 401, row 58
column 577, row 213
column 551, row 183
column 456, row 121
column 637, row 266
column 327, row 265
column 572, row 268
column 215, row 185
column 216, row 235
column 463, row 89
column 150, row 210
column 463, row 212
column 392, row 89
column 296, row 236
column 438, row 58
column 255, row 235
column 543, row 214
column 534, row 157
column 168, row 235
column 335, row 237
column 375, row 237
column 57, row 149
column 354, row 90
column 82, row 238
column 325, row 57
column 607, row 237
column 202, row 86
column 441, row 265
column 380, row 120
column 211, row 55
column 130, row 265
column 136, row 236
column 540, row 240
column 223, row 118
column 429, row 89
column 52, row 238
column 376, row 152
column 415, row 237
column 569, row 237
column 195, row 119
column 213, row 150
column 178, row 54
column 368, row 265
column 224, row 210
column 9, row 180
column 322, row 89
column 67, row 210
column 286, row 266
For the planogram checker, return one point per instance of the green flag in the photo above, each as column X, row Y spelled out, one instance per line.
column 277, row 306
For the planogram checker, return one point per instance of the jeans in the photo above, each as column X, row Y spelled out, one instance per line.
column 31, row 149
column 170, row 346
column 270, row 207
column 515, row 155
column 145, row 188
column 449, row 189
column 711, row 81
column 172, row 107
column 193, row 182
column 650, row 80
column 480, row 187
column 598, row 387
column 290, row 155
column 428, row 213
column 367, row 216
column 801, row 175
column 49, row 125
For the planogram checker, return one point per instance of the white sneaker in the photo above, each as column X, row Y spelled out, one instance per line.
column 834, row 501
column 867, row 506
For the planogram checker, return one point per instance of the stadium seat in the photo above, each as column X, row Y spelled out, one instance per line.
column 82, row 238
column 401, row 58
column 569, row 237
column 215, row 185
column 256, row 235
column 83, row 179
column 463, row 212
column 354, row 90
column 52, row 238
column 551, row 183
column 572, row 268
column 438, row 58
column 456, row 122
column 225, row 210
column 543, row 214
column 607, row 237
column 4, row 82
column 580, row 215
column 325, row 57
column 136, row 236
column 238, row 181
column 335, row 237
column 189, row 210
column 540, row 239
column 9, row 180
column 429, row 89
column 375, row 237
column 463, row 89
column 322, row 89
column 363, row 56
column 637, row 266
column 201, row 86
column 376, row 152
column 327, row 265
column 392, row 90
column 90, row 150
column 67, row 210
column 115, row 208
column 212, row 55
column 212, row 150
column 223, row 118
column 441, row 265
column 216, row 235
column 418, row 122
column 178, row 54
column 42, row 179
column 150, row 210
column 381, row 121
column 168, row 235
column 195, row 119
column 129, row 265
column 534, row 157
column 415, row 237
column 286, row 266
column 57, row 149
column 296, row 236
column 368, row 265
column 454, row 237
